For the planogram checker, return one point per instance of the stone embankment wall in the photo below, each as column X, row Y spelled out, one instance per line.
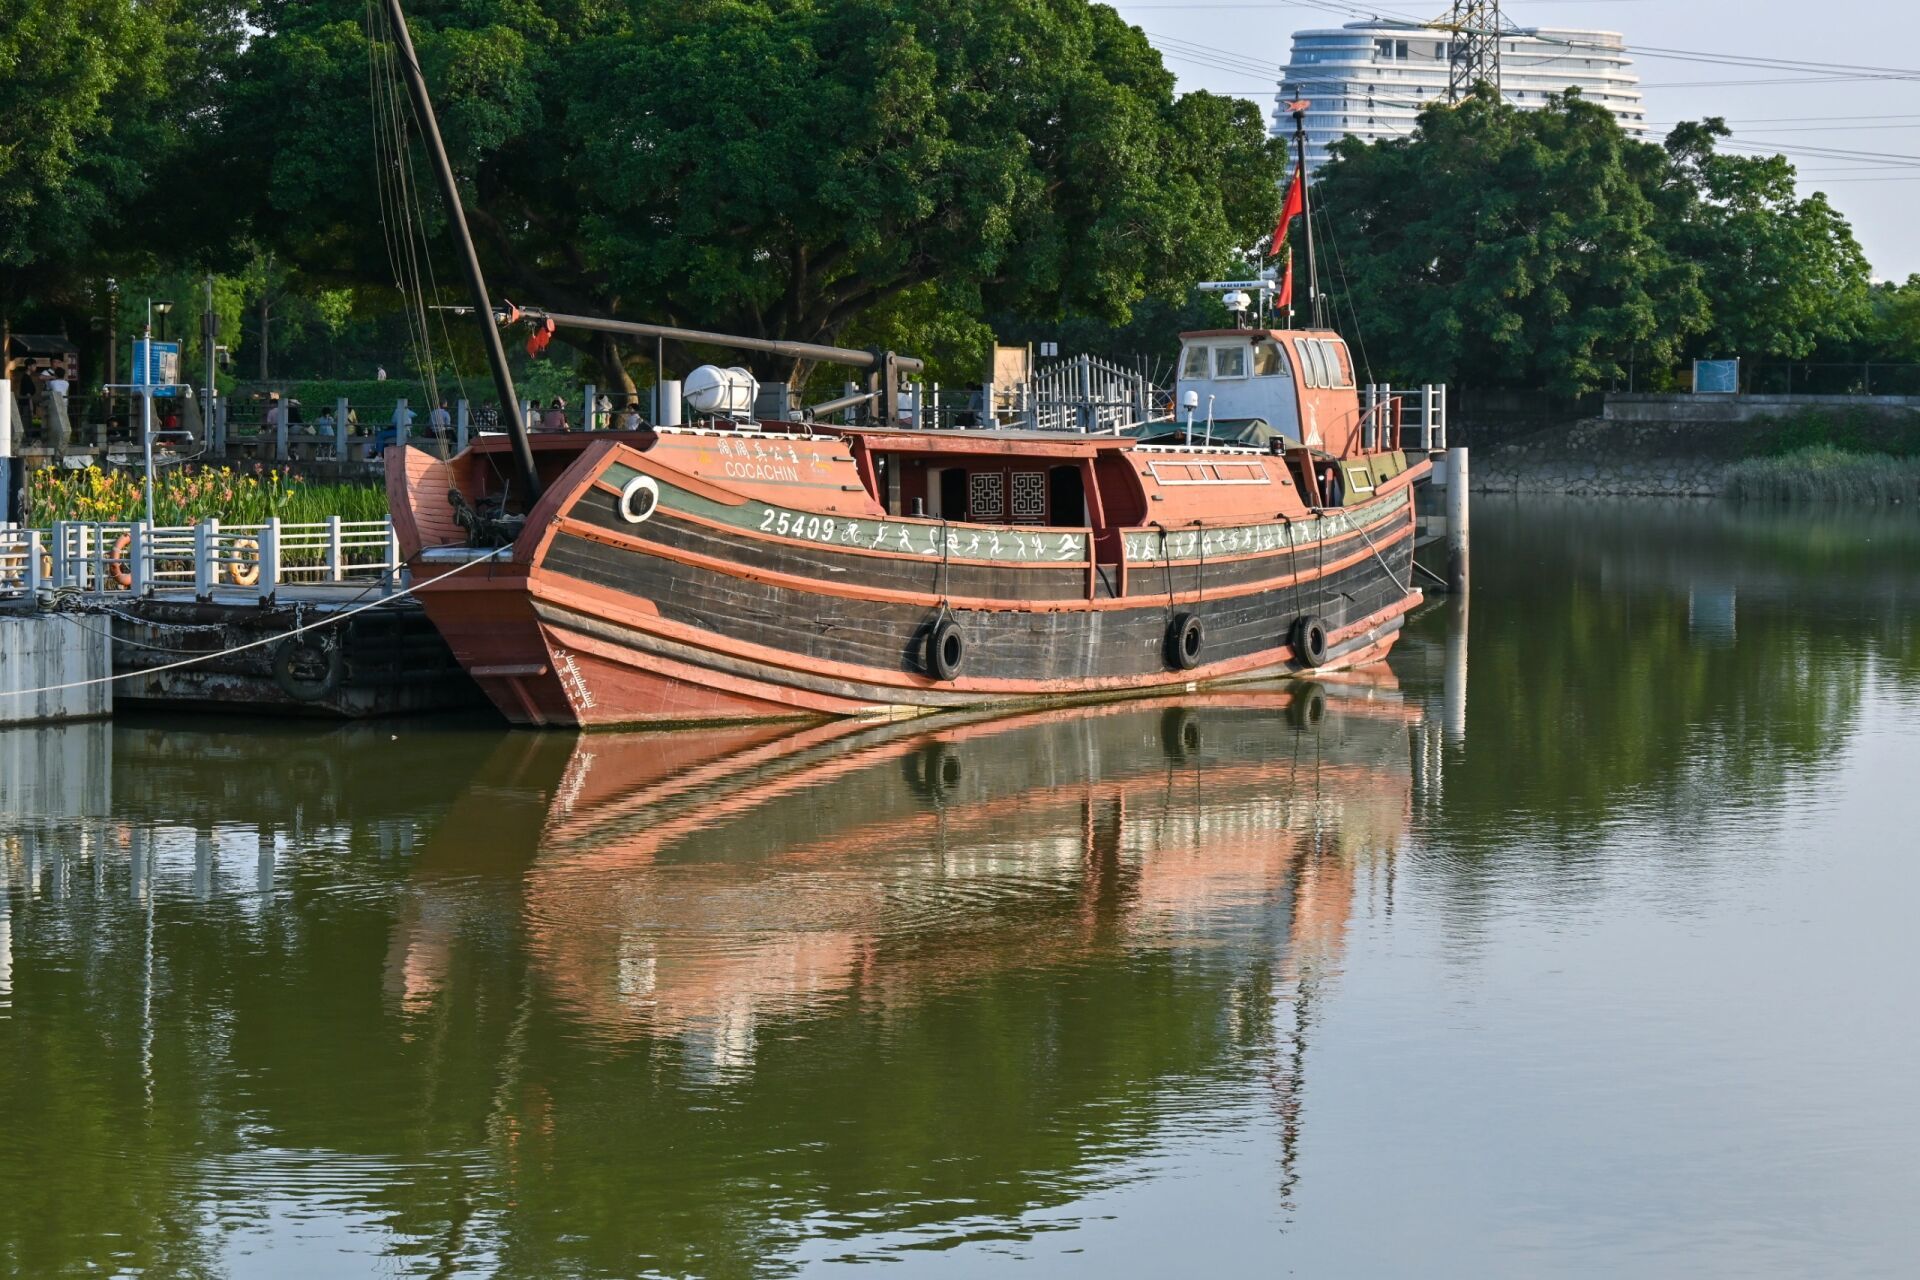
column 65, row 657
column 1609, row 458
column 1684, row 453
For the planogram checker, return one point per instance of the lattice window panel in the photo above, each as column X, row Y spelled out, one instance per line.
column 1029, row 497
column 986, row 496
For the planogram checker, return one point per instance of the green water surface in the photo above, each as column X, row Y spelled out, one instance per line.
column 1581, row 944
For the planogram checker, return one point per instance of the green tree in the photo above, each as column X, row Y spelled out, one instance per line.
column 1894, row 332
column 775, row 167
column 1783, row 275
column 105, row 104
column 1501, row 247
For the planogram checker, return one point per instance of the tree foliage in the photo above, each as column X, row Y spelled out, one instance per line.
column 779, row 167
column 1782, row 275
column 1502, row 247
column 105, row 109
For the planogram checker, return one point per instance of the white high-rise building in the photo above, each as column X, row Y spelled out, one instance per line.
column 1369, row 80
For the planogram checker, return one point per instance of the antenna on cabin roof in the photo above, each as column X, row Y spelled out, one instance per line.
column 1473, row 54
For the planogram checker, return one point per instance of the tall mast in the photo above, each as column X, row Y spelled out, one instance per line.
column 463, row 241
column 1306, row 212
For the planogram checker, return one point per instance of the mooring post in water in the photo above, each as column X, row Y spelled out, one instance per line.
column 1453, row 672
column 6, row 454
column 1458, row 535
column 264, row 854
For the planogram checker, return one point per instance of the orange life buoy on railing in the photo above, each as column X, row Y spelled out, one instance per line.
column 244, row 574
column 117, row 567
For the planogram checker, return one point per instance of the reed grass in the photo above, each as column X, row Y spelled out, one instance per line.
column 1824, row 473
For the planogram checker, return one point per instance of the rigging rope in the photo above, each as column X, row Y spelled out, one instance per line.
column 1346, row 289
column 390, row 171
column 401, row 200
column 303, row 628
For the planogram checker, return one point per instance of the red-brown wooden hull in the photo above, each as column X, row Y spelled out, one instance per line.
column 688, row 619
column 552, row 673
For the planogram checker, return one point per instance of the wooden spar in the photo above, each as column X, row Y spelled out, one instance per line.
column 469, row 259
column 775, row 346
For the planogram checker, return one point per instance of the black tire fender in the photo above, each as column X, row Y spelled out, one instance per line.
column 1186, row 638
column 946, row 649
column 1309, row 639
column 307, row 670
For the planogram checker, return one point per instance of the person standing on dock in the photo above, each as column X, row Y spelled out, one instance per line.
column 441, row 420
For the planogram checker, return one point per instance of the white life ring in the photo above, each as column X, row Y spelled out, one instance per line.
column 640, row 499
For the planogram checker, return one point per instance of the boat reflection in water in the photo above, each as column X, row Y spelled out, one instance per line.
column 768, row 875
column 687, row 1002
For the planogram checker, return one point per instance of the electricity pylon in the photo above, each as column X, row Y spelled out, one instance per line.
column 1474, row 52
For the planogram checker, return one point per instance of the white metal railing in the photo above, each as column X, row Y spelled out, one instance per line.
column 1405, row 419
column 1085, row 393
column 23, row 561
column 141, row 558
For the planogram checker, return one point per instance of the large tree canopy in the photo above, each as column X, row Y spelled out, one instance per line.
column 777, row 167
column 102, row 104
column 1501, row 247
column 1783, row 275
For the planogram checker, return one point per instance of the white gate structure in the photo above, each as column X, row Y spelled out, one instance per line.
column 1086, row 393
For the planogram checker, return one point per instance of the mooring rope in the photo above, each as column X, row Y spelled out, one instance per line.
column 1391, row 576
column 330, row 620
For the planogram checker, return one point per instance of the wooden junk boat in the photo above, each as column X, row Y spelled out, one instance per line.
column 736, row 569
column 739, row 570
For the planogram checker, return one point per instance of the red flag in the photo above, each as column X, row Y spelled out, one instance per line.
column 1286, row 284
column 541, row 337
column 1294, row 206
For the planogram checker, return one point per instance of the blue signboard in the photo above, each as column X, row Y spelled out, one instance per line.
column 157, row 365
column 1716, row 377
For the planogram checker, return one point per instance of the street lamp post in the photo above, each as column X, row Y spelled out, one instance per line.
column 163, row 310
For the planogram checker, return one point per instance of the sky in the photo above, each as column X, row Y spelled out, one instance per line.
column 1222, row 46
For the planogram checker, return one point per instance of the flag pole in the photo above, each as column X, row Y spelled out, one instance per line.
column 1299, row 110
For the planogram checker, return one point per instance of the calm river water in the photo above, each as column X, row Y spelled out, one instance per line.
column 1583, row 945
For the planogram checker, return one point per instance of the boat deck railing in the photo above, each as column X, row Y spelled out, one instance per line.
column 1413, row 418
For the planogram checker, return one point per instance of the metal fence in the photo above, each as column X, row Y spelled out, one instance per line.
column 1407, row 419
column 1086, row 393
column 96, row 556
column 22, row 561
column 1864, row 378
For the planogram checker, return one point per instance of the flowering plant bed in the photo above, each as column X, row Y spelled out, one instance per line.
column 187, row 495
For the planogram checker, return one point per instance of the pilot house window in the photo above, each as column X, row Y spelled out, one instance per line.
column 1313, row 361
column 1230, row 362
column 1269, row 361
column 1325, row 363
column 1196, row 365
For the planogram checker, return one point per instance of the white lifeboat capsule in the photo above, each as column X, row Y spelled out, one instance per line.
column 726, row 393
